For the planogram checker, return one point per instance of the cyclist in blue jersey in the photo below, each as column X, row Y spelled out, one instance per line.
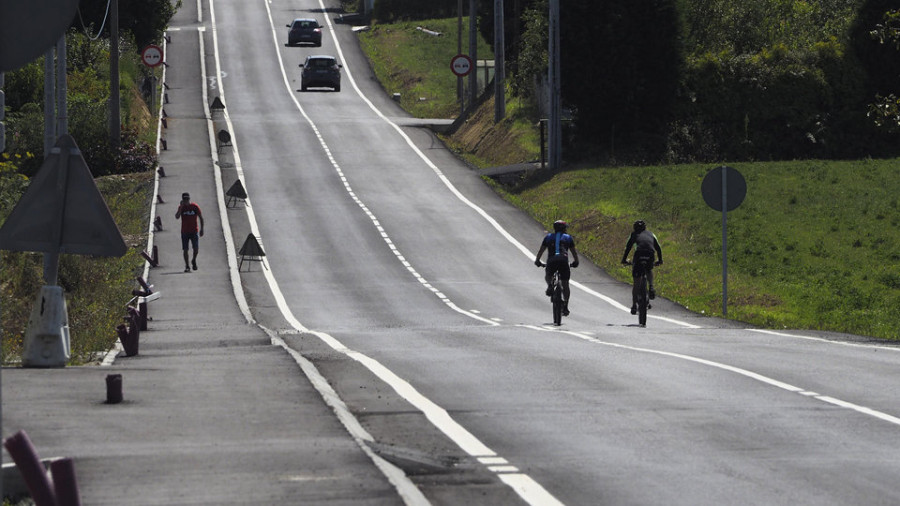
column 558, row 244
column 645, row 244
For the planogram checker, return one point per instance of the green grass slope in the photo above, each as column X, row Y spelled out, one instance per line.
column 815, row 244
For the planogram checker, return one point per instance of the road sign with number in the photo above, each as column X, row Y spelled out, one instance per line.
column 152, row 56
column 461, row 65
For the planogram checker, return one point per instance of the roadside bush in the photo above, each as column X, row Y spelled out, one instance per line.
column 88, row 98
column 388, row 11
column 777, row 104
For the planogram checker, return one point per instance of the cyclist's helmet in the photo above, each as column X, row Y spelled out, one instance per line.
column 560, row 226
column 640, row 226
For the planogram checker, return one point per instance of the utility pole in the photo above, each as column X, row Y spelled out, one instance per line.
column 62, row 89
column 114, row 120
column 49, row 101
column 2, row 115
column 460, row 93
column 499, row 64
column 555, row 134
column 473, row 51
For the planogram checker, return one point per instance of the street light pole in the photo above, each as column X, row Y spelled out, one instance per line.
column 499, row 63
column 473, row 51
column 114, row 120
column 460, row 94
column 555, row 133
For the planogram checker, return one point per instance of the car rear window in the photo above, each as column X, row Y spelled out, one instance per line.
column 321, row 62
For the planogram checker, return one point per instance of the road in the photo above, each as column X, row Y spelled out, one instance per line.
column 409, row 284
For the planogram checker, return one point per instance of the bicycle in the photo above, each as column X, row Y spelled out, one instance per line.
column 640, row 291
column 557, row 298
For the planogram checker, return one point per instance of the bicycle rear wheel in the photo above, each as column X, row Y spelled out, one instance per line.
column 643, row 301
column 557, row 300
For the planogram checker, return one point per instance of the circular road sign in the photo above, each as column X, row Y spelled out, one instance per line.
column 152, row 56
column 735, row 191
column 461, row 65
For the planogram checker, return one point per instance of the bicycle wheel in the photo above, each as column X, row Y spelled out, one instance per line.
column 557, row 300
column 643, row 301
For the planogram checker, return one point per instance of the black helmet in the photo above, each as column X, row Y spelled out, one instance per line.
column 560, row 226
column 640, row 226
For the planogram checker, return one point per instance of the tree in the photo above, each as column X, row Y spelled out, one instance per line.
column 885, row 111
column 145, row 20
column 620, row 69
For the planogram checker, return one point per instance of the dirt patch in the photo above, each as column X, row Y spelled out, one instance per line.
column 493, row 143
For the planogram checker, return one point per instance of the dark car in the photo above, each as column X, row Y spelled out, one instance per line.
column 320, row 71
column 306, row 30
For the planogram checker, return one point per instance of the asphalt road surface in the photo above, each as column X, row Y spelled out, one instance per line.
column 409, row 284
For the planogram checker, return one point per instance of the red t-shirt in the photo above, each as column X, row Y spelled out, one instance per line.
column 189, row 215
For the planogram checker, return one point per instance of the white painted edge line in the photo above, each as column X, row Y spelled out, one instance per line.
column 737, row 370
column 829, row 341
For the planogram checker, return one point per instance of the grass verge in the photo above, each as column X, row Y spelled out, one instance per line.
column 813, row 246
column 96, row 289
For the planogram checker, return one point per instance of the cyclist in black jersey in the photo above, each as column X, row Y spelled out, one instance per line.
column 646, row 243
column 558, row 244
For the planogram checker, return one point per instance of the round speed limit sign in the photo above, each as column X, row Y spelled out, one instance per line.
column 461, row 65
column 152, row 56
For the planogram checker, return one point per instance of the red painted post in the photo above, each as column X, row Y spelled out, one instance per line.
column 25, row 456
column 64, row 483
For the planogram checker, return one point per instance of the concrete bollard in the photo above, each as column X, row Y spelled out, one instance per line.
column 113, row 388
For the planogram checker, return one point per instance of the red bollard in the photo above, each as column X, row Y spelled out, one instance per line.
column 25, row 456
column 64, row 482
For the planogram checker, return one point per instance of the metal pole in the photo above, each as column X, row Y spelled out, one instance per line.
column 49, row 103
column 114, row 120
column 460, row 93
column 62, row 88
column 725, row 241
column 2, row 120
column 473, row 51
column 51, row 259
column 555, row 133
column 499, row 63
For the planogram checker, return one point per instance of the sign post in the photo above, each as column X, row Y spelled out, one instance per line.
column 461, row 65
column 724, row 190
column 152, row 56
